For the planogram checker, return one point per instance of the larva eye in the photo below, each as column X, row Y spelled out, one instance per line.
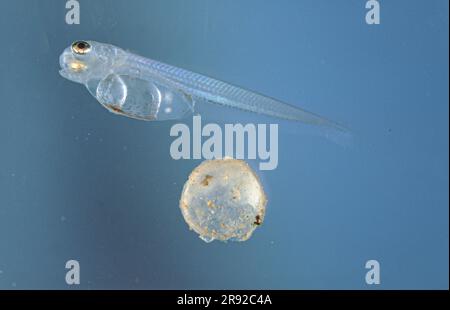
column 81, row 47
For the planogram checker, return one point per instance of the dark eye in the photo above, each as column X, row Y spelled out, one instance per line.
column 81, row 47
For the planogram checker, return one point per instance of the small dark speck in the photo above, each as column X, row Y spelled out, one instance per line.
column 206, row 180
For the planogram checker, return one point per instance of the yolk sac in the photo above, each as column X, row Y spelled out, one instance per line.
column 223, row 199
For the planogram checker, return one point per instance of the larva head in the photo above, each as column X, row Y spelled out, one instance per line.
column 85, row 60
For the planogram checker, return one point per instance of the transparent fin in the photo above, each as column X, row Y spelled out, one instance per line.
column 140, row 99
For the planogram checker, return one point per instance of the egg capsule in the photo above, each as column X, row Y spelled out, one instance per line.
column 223, row 199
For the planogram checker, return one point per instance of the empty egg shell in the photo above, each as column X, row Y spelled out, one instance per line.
column 223, row 199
